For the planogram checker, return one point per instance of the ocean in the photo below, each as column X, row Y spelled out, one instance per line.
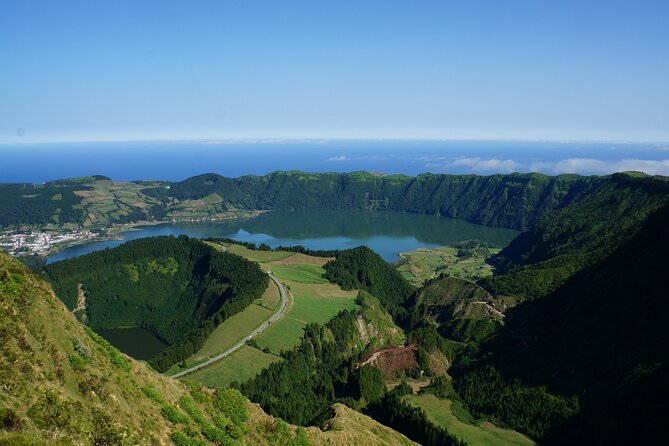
column 174, row 161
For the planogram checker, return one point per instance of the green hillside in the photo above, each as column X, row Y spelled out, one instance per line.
column 567, row 240
column 63, row 384
column 462, row 310
column 179, row 288
column 362, row 269
column 512, row 201
column 593, row 338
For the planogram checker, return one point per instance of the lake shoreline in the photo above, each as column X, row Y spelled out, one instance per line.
column 116, row 231
column 387, row 233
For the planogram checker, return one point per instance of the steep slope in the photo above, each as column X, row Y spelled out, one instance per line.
column 346, row 426
column 62, row 384
column 462, row 310
column 179, row 288
column 602, row 336
column 595, row 337
column 565, row 241
column 513, row 201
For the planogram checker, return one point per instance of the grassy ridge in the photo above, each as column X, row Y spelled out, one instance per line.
column 65, row 385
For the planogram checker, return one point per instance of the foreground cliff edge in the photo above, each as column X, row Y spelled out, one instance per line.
column 63, row 384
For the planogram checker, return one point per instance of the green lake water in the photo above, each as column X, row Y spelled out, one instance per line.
column 136, row 342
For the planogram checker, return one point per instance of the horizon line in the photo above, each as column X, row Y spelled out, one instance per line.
column 270, row 140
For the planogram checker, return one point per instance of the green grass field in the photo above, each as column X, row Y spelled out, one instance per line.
column 317, row 309
column 312, row 299
column 232, row 330
column 452, row 416
column 282, row 335
column 286, row 333
column 425, row 263
column 242, row 365
column 255, row 255
column 235, row 328
column 298, row 272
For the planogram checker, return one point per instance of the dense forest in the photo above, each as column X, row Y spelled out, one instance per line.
column 363, row 269
column 586, row 353
column 179, row 288
column 514, row 201
column 600, row 337
column 323, row 370
column 565, row 241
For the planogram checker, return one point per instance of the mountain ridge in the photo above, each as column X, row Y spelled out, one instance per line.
column 513, row 201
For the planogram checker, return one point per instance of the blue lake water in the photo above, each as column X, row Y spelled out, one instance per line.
column 387, row 233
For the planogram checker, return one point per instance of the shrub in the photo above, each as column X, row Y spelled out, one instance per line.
column 172, row 414
column 153, row 395
column 9, row 420
column 232, row 403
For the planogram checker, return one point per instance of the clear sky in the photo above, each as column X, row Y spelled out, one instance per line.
column 125, row 70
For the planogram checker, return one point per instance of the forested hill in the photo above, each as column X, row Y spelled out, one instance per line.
column 513, row 201
column 600, row 337
column 569, row 239
column 179, row 288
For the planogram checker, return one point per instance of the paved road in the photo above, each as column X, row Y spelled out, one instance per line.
column 253, row 334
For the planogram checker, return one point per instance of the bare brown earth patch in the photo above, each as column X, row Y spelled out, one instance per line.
column 393, row 360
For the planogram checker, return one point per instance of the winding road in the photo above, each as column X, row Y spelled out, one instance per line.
column 253, row 334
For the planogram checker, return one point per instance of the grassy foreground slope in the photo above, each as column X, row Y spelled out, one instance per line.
column 65, row 385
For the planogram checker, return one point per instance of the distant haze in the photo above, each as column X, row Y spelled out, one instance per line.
column 176, row 161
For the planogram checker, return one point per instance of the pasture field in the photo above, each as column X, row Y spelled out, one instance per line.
column 231, row 331
column 299, row 272
column 286, row 333
column 311, row 299
column 319, row 310
column 241, row 366
column 452, row 416
column 235, row 328
column 422, row 264
column 255, row 255
column 283, row 334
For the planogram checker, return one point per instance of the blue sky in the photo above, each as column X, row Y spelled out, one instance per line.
column 508, row 70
